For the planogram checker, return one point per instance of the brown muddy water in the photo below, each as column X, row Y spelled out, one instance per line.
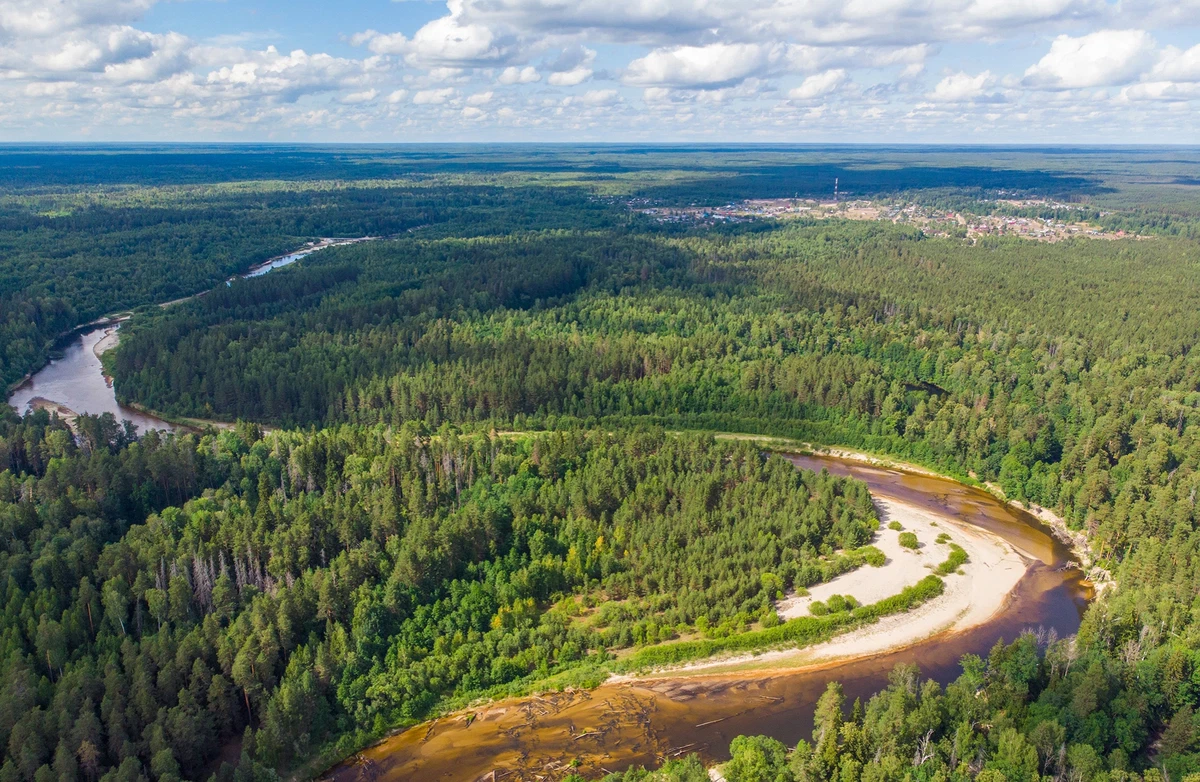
column 616, row 726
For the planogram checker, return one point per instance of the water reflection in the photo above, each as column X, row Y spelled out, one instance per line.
column 76, row 380
column 278, row 263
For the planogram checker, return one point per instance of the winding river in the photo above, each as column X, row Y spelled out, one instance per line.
column 75, row 380
column 618, row 725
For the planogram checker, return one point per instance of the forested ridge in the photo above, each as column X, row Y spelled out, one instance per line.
column 1057, row 370
column 478, row 495
column 93, row 229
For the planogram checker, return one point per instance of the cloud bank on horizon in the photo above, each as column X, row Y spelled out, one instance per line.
column 1013, row 71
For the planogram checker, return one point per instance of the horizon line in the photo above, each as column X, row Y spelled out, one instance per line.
column 614, row 144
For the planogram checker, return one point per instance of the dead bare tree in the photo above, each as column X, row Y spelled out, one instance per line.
column 925, row 750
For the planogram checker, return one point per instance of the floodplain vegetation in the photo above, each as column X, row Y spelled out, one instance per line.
column 477, row 491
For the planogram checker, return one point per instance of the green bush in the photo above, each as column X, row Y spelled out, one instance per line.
column 908, row 540
column 873, row 556
column 819, row 571
column 804, row 631
column 926, row 589
column 817, row 608
column 895, row 525
column 956, row 559
column 838, row 603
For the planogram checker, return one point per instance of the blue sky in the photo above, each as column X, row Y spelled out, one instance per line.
column 978, row 71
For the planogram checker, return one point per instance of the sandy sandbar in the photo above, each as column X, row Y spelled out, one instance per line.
column 107, row 342
column 972, row 596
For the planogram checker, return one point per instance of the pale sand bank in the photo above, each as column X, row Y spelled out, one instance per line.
column 107, row 342
column 903, row 568
column 992, row 571
column 65, row 413
column 981, row 591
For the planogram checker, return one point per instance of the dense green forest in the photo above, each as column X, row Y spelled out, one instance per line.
column 320, row 583
column 1061, row 371
column 474, row 492
column 67, row 258
column 90, row 230
column 1037, row 709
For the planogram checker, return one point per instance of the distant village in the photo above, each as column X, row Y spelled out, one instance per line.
column 932, row 221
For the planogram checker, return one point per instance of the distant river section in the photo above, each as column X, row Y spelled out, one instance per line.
column 76, row 380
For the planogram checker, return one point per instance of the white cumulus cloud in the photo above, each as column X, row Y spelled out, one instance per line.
column 691, row 22
column 287, row 77
column 703, row 67
column 570, row 78
column 362, row 96
column 514, row 75
column 961, row 86
column 46, row 18
column 448, row 41
column 433, row 97
column 1099, row 59
column 573, row 66
column 1179, row 65
column 818, row 85
column 600, row 97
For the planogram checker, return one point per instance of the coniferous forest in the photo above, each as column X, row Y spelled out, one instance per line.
column 474, row 456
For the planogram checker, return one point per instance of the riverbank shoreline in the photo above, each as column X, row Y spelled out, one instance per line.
column 980, row 589
column 79, row 330
column 66, row 414
column 857, row 648
column 109, row 320
column 192, row 425
column 106, row 343
column 312, row 247
column 1075, row 540
column 110, row 340
column 874, row 640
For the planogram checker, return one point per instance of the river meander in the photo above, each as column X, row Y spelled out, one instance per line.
column 75, row 380
column 618, row 725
